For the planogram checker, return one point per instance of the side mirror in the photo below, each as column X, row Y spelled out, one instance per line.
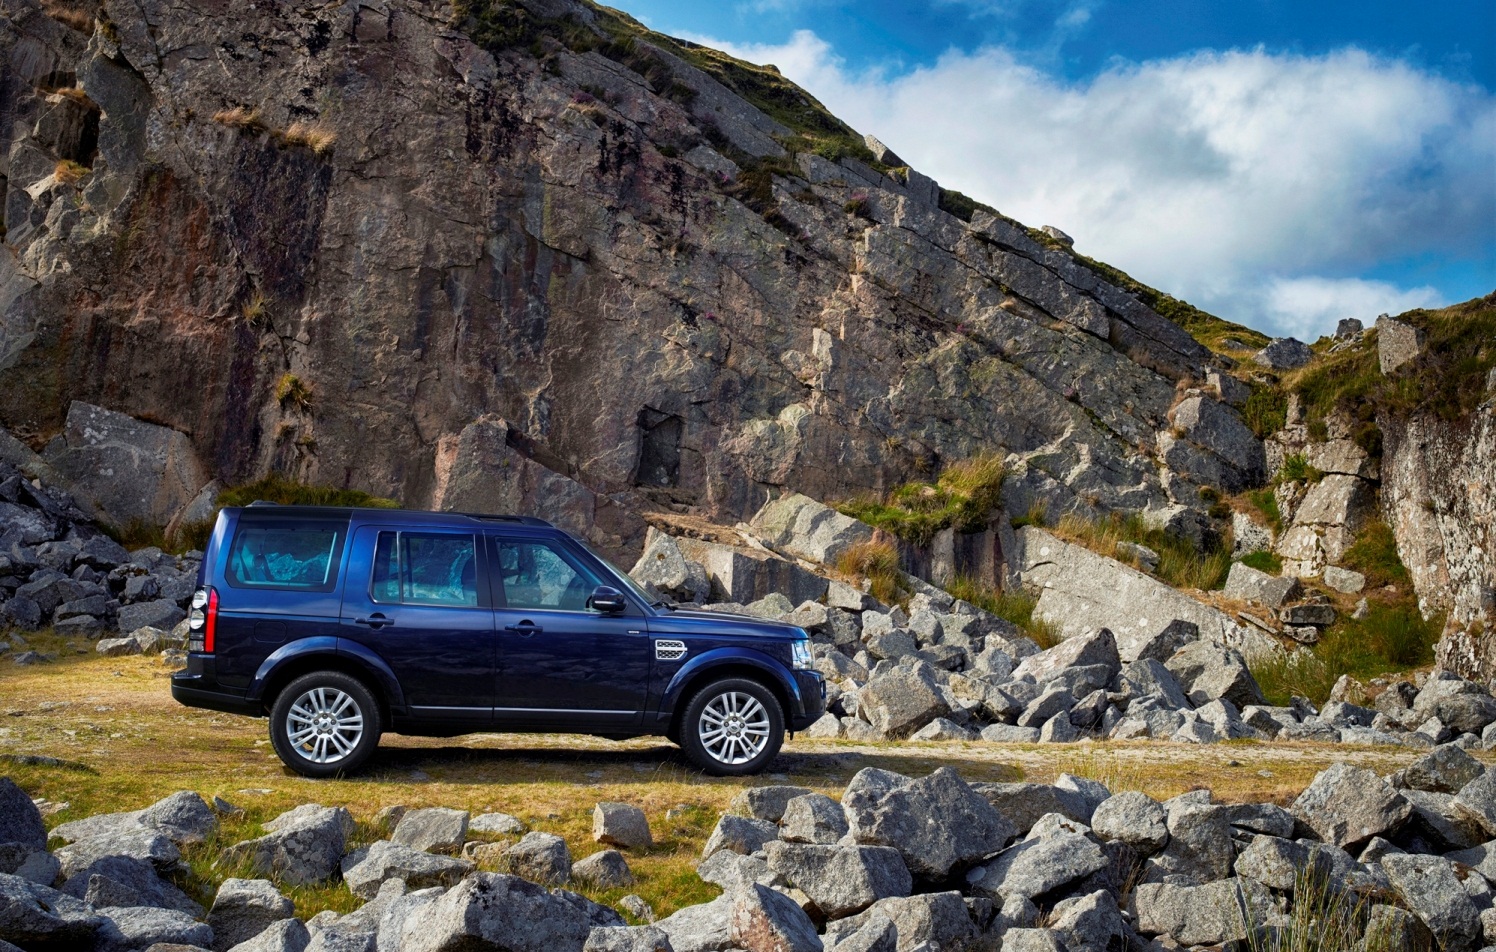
column 609, row 601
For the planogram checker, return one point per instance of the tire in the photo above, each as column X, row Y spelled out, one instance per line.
column 732, row 727
column 334, row 720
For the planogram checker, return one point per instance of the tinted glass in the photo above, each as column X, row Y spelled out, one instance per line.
column 303, row 557
column 538, row 575
column 425, row 568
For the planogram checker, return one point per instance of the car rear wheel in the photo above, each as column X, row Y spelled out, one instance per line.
column 732, row 727
column 325, row 724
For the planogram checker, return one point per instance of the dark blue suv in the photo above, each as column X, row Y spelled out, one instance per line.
column 340, row 624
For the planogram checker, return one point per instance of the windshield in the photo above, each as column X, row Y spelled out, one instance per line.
column 653, row 601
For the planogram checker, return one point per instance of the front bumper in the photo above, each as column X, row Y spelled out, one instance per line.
column 812, row 699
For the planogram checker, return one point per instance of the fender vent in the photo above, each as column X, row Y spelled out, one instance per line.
column 670, row 650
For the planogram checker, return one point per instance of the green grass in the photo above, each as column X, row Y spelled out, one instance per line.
column 1263, row 562
column 1179, row 563
column 1296, row 469
column 1015, row 607
column 1391, row 638
column 1374, row 554
column 1267, row 503
column 1266, row 410
column 963, row 497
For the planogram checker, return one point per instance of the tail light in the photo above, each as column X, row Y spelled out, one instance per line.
column 202, row 620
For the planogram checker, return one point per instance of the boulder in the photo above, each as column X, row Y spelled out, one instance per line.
column 497, row 912
column 765, row 803
column 1207, row 672
column 1445, row 769
column 1348, row 805
column 606, row 869
column 841, row 880
column 1430, row 887
column 813, row 818
column 937, row 823
column 1477, row 802
column 20, row 820
column 127, row 928
column 1200, row 847
column 1089, row 923
column 923, row 922
column 621, row 824
column 762, row 920
column 1284, row 353
column 739, row 835
column 1039, row 865
column 303, row 846
column 33, row 915
column 162, row 613
column 806, row 529
column 1252, row 585
column 1200, row 915
column 1398, row 343
column 1094, row 648
column 1343, row 580
column 139, row 843
column 662, row 564
column 702, row 928
column 289, row 935
column 903, row 700
column 366, row 870
column 628, row 939
column 130, row 469
column 539, row 857
column 243, row 908
column 434, row 829
column 1132, row 818
column 121, row 881
column 500, row 823
column 1215, row 427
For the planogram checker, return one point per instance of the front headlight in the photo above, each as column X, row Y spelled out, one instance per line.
column 800, row 653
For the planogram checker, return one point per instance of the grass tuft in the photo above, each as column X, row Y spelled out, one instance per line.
column 878, row 562
column 1015, row 607
column 239, row 117
column 278, row 489
column 1296, row 469
column 1391, row 638
column 1180, row 564
column 1374, row 554
column 1269, row 562
column 291, row 389
column 314, row 136
column 964, row 497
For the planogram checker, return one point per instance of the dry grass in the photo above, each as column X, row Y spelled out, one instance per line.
column 1180, row 564
column 240, row 118
column 878, row 562
column 115, row 717
column 68, row 15
column 315, row 136
column 69, row 172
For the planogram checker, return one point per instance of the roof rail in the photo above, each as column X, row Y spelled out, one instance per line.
column 262, row 502
column 522, row 520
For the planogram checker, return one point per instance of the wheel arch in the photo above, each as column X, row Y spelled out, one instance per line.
column 281, row 669
column 693, row 681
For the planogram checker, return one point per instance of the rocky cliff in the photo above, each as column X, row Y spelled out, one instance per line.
column 529, row 255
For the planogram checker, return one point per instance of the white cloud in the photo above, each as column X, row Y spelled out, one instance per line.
column 1240, row 180
column 1308, row 307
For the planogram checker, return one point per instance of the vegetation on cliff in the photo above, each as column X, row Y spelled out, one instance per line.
column 963, row 497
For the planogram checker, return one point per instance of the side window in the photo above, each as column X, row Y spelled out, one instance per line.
column 302, row 557
column 424, row 568
column 539, row 575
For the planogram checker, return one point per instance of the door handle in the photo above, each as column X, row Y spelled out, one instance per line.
column 375, row 621
column 524, row 629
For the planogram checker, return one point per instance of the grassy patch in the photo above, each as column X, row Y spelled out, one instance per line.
column 1266, row 503
column 1268, row 562
column 292, row 390
column 1015, row 607
column 1296, row 469
column 1374, row 554
column 1266, row 411
column 1179, row 563
column 878, row 562
column 964, row 497
column 1391, row 638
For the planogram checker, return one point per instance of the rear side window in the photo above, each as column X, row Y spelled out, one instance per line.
column 302, row 557
column 425, row 568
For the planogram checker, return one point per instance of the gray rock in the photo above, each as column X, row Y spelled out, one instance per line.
column 1278, row 863
column 1035, row 867
column 702, row 928
column 1388, row 927
column 121, row 881
column 20, row 820
column 662, row 564
column 1348, row 327
column 138, row 927
column 802, row 527
column 813, row 818
column 1199, row 915
column 1445, row 769
column 1096, row 648
column 434, row 828
column 1439, row 822
column 924, row 921
column 1477, row 801
column 1432, row 891
column 162, row 613
column 944, row 729
column 1132, row 818
column 876, row 934
column 1089, row 923
column 366, row 870
column 36, row 916
column 1343, row 580
column 765, row 803
column 1253, row 585
column 1318, row 615
column 140, row 843
column 762, row 920
column 303, row 846
column 1200, row 846
column 740, row 835
column 1398, row 342
column 501, row 823
column 243, row 908
column 184, row 818
column 287, row 935
column 606, row 869
column 1148, row 676
column 841, row 880
column 1207, row 671
column 1349, row 805
column 628, row 939
column 902, row 701
column 539, row 857
column 1010, row 734
column 621, row 824
column 1284, row 353
column 499, row 912
column 937, row 823
column 1215, row 427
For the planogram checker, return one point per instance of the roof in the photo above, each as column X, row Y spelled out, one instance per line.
column 260, row 508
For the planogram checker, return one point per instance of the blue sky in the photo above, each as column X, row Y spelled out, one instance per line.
column 1280, row 163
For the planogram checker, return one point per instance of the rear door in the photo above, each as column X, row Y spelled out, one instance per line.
column 561, row 664
column 419, row 599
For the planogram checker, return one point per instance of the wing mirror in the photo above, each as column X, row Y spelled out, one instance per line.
column 608, row 600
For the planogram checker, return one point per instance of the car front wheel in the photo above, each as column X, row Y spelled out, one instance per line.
column 732, row 727
column 325, row 724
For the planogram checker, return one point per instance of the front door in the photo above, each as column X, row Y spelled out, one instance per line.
column 418, row 599
column 561, row 664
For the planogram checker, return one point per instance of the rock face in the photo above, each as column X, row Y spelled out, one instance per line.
column 754, row 329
